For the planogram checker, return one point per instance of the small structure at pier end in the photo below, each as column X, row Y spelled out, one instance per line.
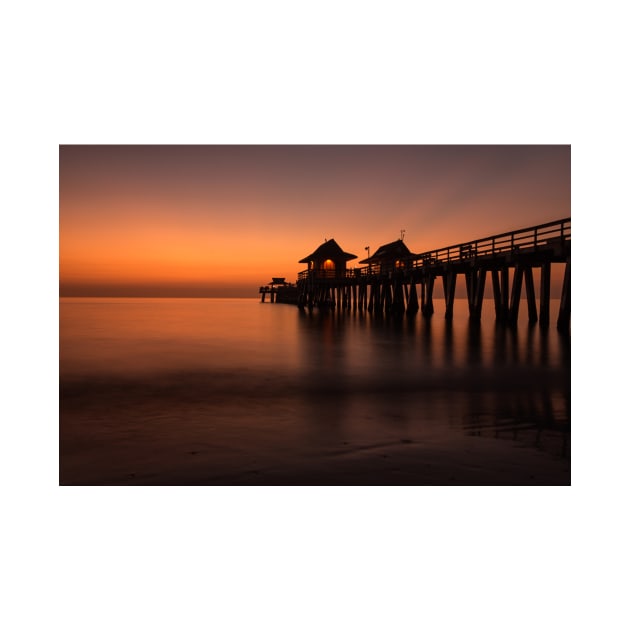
column 279, row 290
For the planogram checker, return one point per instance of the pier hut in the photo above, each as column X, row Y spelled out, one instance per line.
column 327, row 280
column 328, row 260
column 390, row 257
column 393, row 289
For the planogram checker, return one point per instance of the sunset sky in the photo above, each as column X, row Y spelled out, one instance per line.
column 222, row 220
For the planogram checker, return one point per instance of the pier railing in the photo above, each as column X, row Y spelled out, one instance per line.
column 332, row 274
column 528, row 239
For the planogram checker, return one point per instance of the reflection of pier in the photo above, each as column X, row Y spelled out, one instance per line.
column 404, row 282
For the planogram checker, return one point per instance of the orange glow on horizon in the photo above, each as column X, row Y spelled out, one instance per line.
column 217, row 217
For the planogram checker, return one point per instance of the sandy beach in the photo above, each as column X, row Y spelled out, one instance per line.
column 197, row 444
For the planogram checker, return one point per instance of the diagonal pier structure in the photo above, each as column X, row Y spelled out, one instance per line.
column 405, row 284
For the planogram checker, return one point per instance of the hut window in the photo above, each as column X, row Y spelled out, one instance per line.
column 329, row 264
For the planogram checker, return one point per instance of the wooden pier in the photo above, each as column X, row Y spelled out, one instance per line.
column 405, row 285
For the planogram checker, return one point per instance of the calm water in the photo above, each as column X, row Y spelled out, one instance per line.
column 189, row 391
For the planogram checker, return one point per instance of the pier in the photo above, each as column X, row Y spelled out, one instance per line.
column 396, row 281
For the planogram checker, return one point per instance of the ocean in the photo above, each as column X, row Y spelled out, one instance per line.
column 234, row 392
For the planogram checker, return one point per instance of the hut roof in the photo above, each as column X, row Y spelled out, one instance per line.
column 328, row 249
column 390, row 251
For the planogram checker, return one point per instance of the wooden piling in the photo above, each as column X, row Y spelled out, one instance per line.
column 398, row 300
column 412, row 302
column 505, row 293
column 427, row 295
column 449, row 280
column 470, row 290
column 517, row 283
column 531, row 295
column 373, row 297
column 386, row 297
column 480, row 286
column 564, row 316
column 496, row 292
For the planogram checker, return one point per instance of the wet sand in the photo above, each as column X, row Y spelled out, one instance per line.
column 145, row 442
column 479, row 461
column 484, row 462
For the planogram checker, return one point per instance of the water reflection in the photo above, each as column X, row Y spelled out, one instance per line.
column 325, row 382
column 490, row 380
column 427, row 340
column 474, row 343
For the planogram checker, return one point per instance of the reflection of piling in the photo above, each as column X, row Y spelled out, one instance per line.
column 545, row 292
